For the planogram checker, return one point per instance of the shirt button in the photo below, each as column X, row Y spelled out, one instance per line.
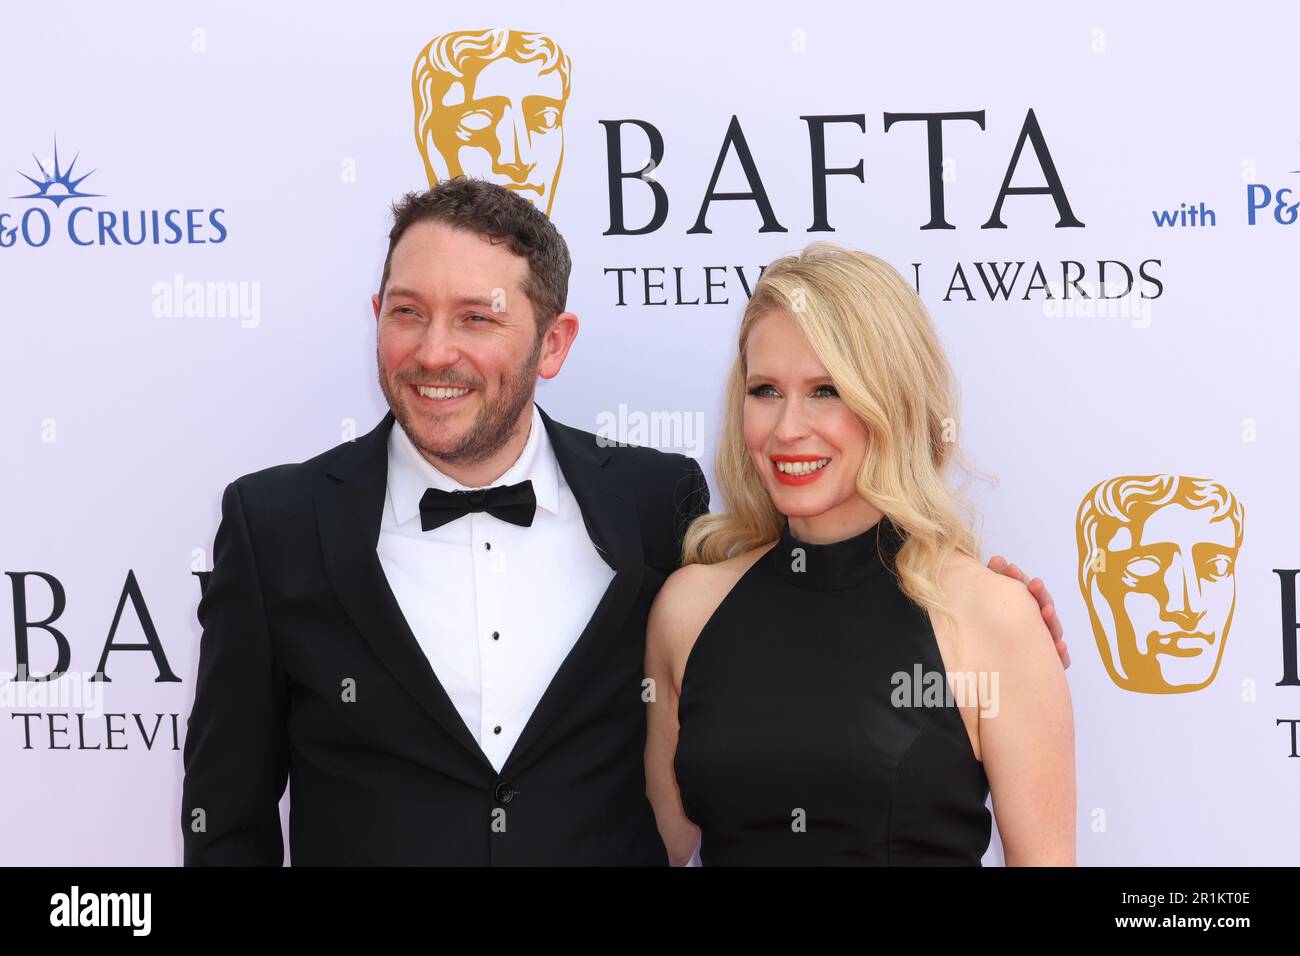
column 487, row 545
column 496, row 635
column 504, row 793
column 496, row 729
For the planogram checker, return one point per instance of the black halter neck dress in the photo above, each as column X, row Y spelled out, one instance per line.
column 801, row 738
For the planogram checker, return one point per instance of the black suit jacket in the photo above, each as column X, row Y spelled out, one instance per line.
column 298, row 605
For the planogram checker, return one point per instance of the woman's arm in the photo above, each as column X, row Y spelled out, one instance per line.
column 664, row 642
column 1026, row 728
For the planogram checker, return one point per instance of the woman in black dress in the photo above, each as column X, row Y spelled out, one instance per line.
column 837, row 678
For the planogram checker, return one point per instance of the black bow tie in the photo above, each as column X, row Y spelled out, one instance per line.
column 513, row 503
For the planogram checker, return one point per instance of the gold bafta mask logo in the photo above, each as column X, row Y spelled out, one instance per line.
column 489, row 104
column 1157, row 567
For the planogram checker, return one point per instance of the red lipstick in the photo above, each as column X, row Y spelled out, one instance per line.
column 796, row 480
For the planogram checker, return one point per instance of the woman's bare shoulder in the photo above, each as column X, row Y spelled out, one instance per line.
column 964, row 578
column 995, row 609
column 690, row 596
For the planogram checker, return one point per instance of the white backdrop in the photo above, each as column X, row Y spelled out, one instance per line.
column 128, row 408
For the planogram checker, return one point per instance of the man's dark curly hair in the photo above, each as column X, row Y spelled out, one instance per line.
column 487, row 209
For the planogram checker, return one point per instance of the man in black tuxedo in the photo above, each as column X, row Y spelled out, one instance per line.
column 428, row 699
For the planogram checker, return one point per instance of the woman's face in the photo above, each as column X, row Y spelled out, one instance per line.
column 804, row 440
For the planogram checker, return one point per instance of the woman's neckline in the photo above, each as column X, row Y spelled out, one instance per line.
column 836, row 565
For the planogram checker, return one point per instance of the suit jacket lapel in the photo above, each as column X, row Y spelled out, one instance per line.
column 349, row 507
column 610, row 515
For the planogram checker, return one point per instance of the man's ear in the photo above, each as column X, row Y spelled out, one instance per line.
column 555, row 344
column 374, row 304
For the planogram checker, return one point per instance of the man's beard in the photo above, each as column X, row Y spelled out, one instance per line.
column 492, row 426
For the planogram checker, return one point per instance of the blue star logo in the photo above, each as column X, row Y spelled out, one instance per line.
column 60, row 185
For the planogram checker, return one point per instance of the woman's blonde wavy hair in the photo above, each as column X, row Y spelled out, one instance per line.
column 871, row 331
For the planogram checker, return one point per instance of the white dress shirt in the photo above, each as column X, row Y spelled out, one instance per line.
column 496, row 607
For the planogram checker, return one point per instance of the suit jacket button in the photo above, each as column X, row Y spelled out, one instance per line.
column 504, row 793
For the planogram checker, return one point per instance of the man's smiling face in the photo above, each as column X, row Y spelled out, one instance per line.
column 457, row 342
